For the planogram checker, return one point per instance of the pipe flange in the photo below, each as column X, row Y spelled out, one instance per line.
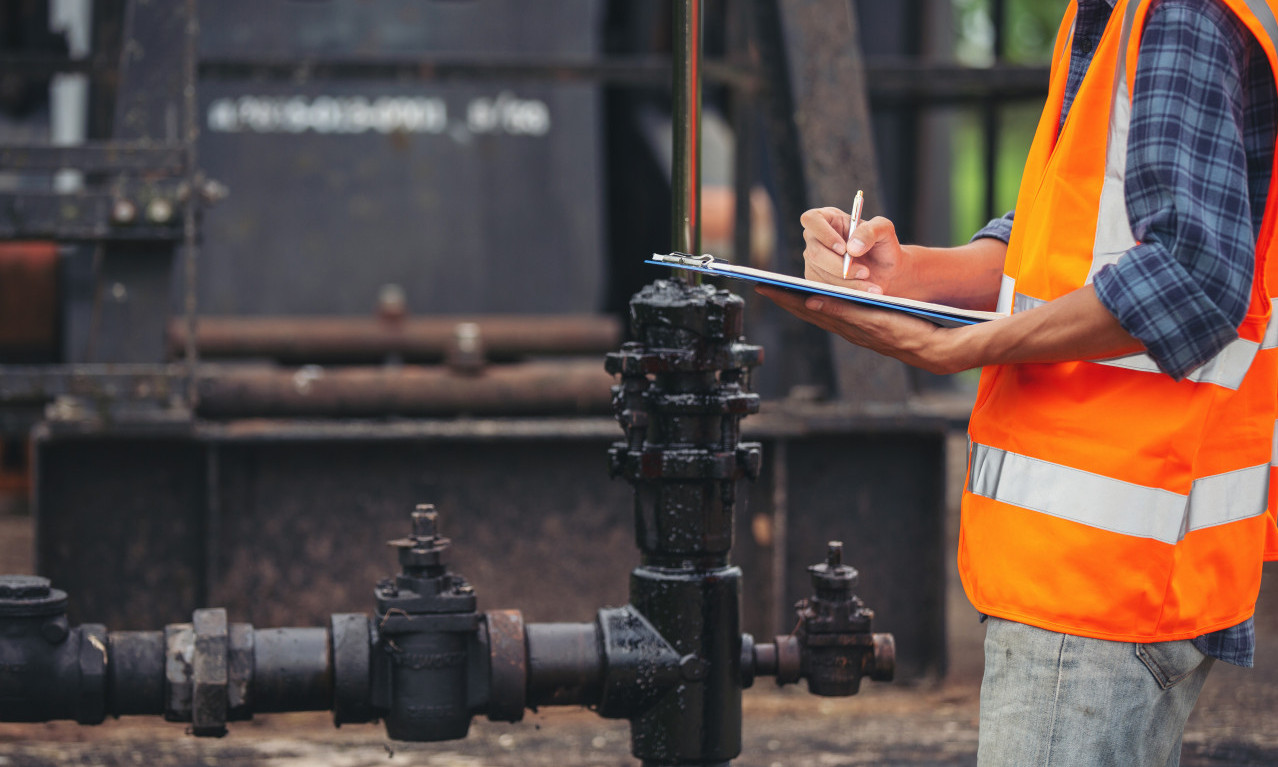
column 352, row 647
column 91, row 700
column 789, row 659
column 508, row 665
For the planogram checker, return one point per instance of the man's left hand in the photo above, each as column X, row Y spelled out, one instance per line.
column 912, row 340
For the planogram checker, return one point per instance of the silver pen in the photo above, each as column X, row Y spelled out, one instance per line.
column 857, row 204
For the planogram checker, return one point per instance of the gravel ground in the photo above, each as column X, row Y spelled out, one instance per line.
column 884, row 725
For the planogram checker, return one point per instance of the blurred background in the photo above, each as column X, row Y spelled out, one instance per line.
column 274, row 271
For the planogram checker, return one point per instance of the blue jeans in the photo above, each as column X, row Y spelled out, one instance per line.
column 1055, row 699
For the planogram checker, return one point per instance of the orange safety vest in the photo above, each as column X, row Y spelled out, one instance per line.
column 1104, row 498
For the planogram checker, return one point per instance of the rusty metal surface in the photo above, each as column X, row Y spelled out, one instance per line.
column 29, row 301
column 533, row 387
column 97, row 157
column 36, row 383
column 350, row 339
column 508, row 665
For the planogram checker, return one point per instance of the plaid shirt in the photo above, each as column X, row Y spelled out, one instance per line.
column 1200, row 148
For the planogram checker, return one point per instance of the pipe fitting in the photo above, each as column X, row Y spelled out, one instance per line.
column 837, row 647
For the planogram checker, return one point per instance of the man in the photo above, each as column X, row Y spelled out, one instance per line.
column 1116, row 516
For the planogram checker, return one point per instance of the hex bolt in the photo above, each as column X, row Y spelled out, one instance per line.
column 425, row 522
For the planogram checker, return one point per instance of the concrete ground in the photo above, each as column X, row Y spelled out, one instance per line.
column 1235, row 723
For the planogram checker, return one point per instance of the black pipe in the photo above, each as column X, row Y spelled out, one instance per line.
column 292, row 670
column 565, row 664
column 135, row 673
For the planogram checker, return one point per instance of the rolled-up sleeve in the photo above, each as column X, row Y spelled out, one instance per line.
column 1185, row 288
column 997, row 229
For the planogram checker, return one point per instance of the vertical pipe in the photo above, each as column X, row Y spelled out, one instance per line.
column 685, row 171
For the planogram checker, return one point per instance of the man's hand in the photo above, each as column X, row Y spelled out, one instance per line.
column 912, row 340
column 879, row 263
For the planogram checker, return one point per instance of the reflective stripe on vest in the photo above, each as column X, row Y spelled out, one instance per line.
column 1111, row 504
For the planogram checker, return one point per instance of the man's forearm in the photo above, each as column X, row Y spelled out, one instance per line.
column 967, row 276
column 1076, row 326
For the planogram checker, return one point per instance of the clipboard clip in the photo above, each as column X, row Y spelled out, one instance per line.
column 705, row 260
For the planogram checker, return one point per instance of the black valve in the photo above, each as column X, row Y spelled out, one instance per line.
column 834, row 632
column 48, row 670
column 426, row 627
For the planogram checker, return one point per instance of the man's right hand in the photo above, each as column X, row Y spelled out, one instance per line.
column 879, row 263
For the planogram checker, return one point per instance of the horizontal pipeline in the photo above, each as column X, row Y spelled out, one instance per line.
column 364, row 339
column 517, row 389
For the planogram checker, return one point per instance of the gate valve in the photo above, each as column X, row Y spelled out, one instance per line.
column 837, row 646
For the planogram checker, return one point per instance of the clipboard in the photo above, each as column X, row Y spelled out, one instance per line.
column 940, row 314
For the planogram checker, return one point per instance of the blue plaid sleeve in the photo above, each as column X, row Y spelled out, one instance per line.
column 998, row 229
column 1185, row 288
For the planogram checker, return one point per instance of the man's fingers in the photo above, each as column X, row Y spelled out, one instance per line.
column 875, row 231
column 827, row 227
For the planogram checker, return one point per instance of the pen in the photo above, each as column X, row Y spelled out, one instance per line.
column 857, row 203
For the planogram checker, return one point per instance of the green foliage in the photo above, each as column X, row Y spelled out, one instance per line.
column 1029, row 31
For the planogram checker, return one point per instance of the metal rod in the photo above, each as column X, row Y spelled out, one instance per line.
column 743, row 115
column 685, row 171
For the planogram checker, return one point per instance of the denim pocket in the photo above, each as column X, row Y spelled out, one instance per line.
column 1170, row 662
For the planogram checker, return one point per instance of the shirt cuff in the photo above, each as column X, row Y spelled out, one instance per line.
column 998, row 229
column 1155, row 300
